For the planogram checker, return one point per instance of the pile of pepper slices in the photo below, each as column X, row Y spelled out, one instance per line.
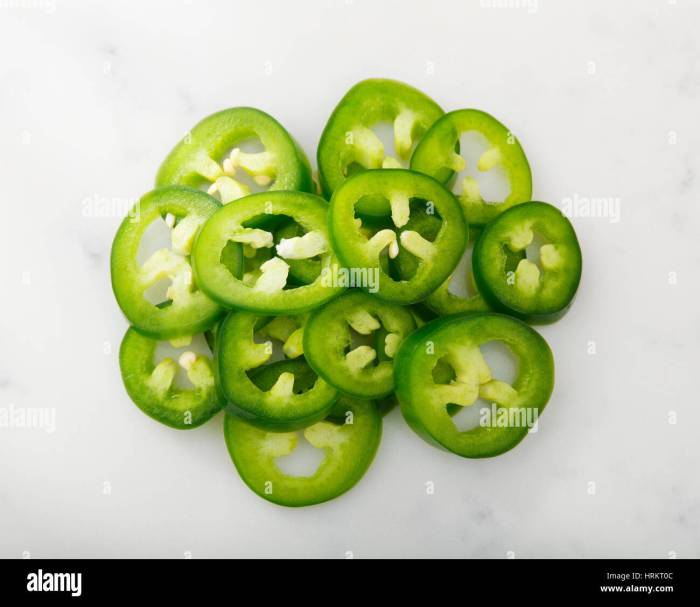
column 325, row 305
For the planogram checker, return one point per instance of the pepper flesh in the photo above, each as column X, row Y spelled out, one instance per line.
column 348, row 140
column 538, row 293
column 436, row 156
column 349, row 438
column 329, row 349
column 210, row 156
column 427, row 402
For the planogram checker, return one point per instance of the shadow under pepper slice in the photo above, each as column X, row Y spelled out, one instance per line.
column 265, row 290
column 362, row 371
column 403, row 192
column 438, row 155
column 209, row 157
column 348, row 142
column 151, row 386
column 187, row 310
column 538, row 289
column 349, row 437
column 291, row 401
column 440, row 367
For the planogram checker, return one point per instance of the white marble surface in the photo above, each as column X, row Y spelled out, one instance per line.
column 604, row 96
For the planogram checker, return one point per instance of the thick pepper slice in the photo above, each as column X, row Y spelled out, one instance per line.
column 403, row 194
column 264, row 288
column 349, row 437
column 360, row 370
column 186, row 310
column 538, row 289
column 438, row 155
column 440, row 368
column 210, row 157
column 151, row 387
column 348, row 143
column 289, row 402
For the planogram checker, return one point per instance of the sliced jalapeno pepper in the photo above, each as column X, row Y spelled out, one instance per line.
column 186, row 310
column 441, row 366
column 530, row 291
column 210, row 157
column 404, row 193
column 152, row 388
column 348, row 143
column 265, row 289
column 438, row 155
column 349, row 437
column 292, row 401
column 357, row 371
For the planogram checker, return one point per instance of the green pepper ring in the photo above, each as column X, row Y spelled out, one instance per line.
column 215, row 135
column 327, row 334
column 559, row 282
column 422, row 403
column 365, row 104
column 351, row 245
column 156, row 321
column 350, row 449
column 236, row 355
column 435, row 156
column 214, row 278
column 170, row 407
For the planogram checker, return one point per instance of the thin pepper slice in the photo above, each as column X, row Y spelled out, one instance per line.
column 348, row 143
column 437, row 155
column 151, row 386
column 538, row 290
column 264, row 289
column 440, row 367
column 186, row 309
column 210, row 158
column 290, row 402
column 360, row 370
column 404, row 193
column 349, row 438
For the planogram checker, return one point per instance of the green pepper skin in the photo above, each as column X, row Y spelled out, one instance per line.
column 175, row 407
column 351, row 244
column 163, row 321
column 192, row 162
column 426, row 400
column 239, row 359
column 435, row 153
column 214, row 278
column 327, row 337
column 367, row 103
column 350, row 449
column 497, row 277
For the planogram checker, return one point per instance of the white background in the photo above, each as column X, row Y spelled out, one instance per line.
column 604, row 96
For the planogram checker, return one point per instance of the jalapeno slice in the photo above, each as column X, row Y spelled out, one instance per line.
column 364, row 370
column 428, row 395
column 438, row 155
column 349, row 438
column 151, row 386
column 210, row 157
column 264, row 289
column 291, row 401
column 348, row 143
column 404, row 193
column 186, row 310
column 537, row 289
